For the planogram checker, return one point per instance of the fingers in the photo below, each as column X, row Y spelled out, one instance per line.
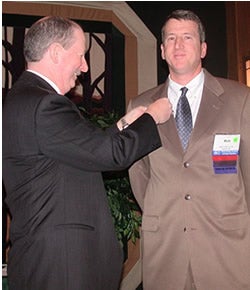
column 160, row 110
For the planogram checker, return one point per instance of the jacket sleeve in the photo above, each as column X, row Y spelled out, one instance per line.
column 63, row 134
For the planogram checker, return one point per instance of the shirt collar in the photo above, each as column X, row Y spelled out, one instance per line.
column 54, row 86
column 192, row 85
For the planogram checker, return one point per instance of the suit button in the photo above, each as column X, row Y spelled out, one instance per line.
column 186, row 164
column 187, row 196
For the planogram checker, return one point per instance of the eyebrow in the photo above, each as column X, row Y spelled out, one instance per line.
column 182, row 34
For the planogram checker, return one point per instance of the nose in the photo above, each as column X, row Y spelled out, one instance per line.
column 84, row 66
column 178, row 42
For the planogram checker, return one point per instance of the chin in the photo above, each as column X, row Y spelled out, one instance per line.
column 72, row 84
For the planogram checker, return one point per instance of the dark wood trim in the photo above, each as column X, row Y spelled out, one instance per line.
column 238, row 38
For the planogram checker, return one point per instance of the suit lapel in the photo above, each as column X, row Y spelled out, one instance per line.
column 210, row 107
column 169, row 136
column 168, row 131
column 211, row 104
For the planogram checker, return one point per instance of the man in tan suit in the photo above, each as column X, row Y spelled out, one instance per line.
column 195, row 198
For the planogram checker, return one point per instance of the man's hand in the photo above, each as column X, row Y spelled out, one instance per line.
column 160, row 110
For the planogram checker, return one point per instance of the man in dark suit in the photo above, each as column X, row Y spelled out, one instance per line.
column 61, row 232
column 195, row 193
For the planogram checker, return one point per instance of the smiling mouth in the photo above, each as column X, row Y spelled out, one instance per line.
column 179, row 55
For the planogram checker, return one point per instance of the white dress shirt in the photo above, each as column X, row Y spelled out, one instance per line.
column 194, row 93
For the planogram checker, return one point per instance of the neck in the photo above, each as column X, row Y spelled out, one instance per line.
column 184, row 78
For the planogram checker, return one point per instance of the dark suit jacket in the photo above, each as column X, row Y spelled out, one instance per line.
column 190, row 214
column 62, row 232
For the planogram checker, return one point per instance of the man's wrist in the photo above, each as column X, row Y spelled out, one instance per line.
column 125, row 124
column 122, row 124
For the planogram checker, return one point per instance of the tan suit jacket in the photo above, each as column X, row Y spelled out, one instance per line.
column 190, row 214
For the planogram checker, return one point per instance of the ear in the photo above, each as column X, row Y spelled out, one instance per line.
column 203, row 49
column 162, row 52
column 55, row 50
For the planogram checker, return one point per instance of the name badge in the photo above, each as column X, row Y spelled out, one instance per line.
column 225, row 153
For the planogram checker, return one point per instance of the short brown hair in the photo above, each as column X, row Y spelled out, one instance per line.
column 185, row 15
